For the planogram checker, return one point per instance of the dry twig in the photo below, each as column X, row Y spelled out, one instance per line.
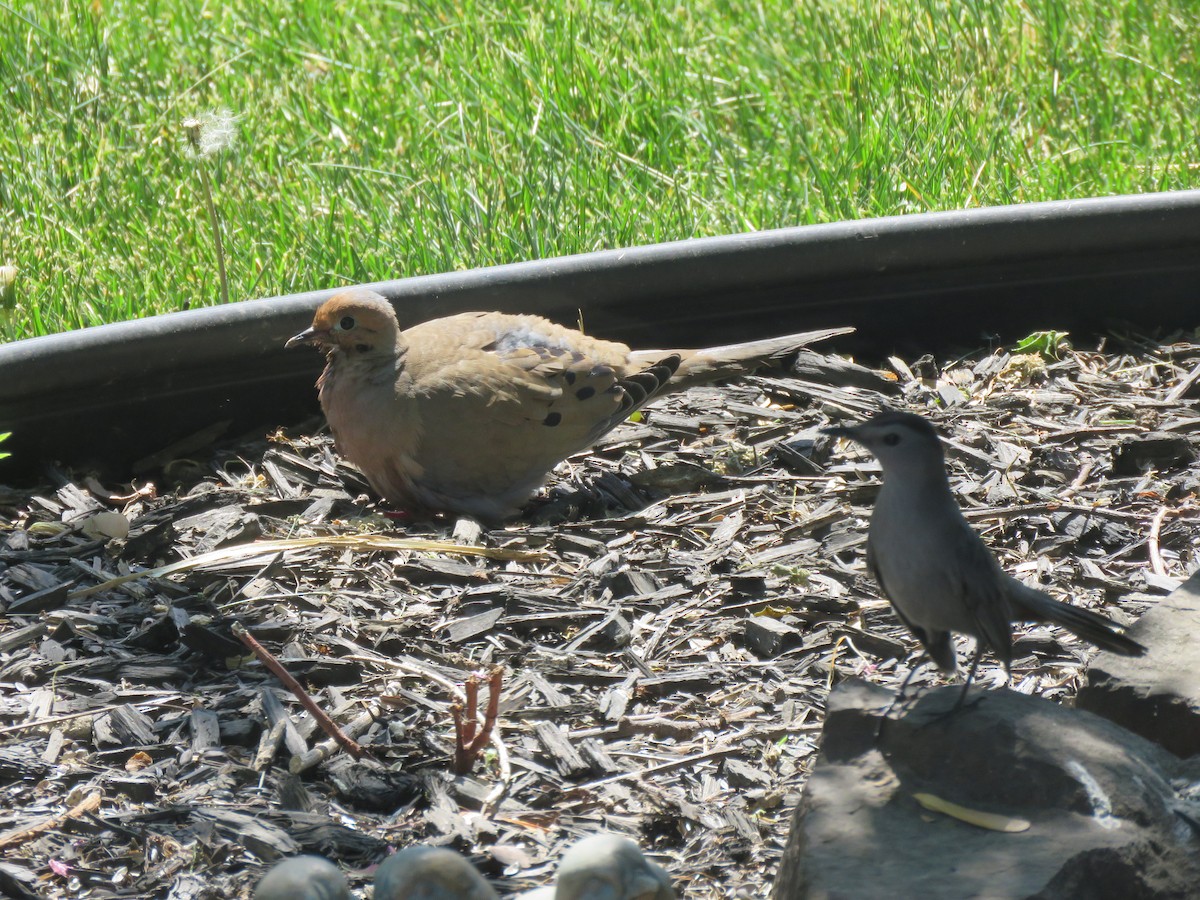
column 319, row 715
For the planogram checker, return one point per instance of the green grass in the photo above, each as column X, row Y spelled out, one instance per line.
column 384, row 139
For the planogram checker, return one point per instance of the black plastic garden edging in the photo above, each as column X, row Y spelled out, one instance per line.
column 113, row 394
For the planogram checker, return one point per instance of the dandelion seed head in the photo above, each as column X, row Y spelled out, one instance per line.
column 208, row 133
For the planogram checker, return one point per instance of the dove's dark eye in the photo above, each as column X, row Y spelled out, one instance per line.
column 347, row 323
column 891, row 439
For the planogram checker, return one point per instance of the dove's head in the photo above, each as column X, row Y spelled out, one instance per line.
column 357, row 322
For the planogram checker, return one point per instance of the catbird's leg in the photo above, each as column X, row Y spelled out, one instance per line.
column 961, row 703
column 899, row 698
column 962, row 698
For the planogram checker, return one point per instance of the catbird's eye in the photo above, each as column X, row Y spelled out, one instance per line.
column 347, row 323
column 891, row 439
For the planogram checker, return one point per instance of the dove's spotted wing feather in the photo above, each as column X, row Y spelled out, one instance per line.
column 504, row 399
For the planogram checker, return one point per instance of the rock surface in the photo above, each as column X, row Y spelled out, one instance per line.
column 1158, row 695
column 610, row 867
column 1091, row 807
column 303, row 878
column 430, row 873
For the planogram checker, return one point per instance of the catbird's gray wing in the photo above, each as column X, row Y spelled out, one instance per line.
column 937, row 644
column 978, row 582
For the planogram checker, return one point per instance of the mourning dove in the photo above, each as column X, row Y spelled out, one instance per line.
column 430, row 873
column 932, row 566
column 303, row 878
column 469, row 413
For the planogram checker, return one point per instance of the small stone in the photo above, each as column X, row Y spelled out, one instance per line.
column 105, row 525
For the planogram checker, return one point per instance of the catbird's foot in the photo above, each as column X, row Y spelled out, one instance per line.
column 960, row 705
column 900, row 706
column 902, row 701
column 961, row 702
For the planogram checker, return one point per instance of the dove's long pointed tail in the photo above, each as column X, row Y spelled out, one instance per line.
column 1039, row 606
column 730, row 360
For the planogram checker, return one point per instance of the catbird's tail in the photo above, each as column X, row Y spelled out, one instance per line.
column 1037, row 606
column 731, row 360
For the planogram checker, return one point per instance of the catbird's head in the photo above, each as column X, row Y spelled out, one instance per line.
column 901, row 441
column 355, row 321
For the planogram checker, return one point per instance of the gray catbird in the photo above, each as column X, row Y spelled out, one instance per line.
column 938, row 574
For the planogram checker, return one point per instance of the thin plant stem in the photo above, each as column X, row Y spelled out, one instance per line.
column 216, row 230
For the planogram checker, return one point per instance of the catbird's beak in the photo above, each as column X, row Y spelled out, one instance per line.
column 307, row 336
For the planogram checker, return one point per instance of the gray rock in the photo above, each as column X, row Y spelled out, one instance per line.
column 1098, row 800
column 766, row 636
column 430, row 873
column 609, row 867
column 1157, row 695
column 303, row 878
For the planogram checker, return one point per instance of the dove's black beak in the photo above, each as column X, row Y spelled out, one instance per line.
column 308, row 336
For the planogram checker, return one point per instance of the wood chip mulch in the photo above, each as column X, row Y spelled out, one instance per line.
column 667, row 620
